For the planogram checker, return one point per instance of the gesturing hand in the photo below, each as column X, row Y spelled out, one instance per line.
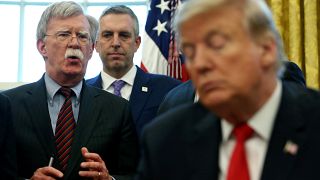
column 94, row 165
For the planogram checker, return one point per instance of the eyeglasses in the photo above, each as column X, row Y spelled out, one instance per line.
column 66, row 36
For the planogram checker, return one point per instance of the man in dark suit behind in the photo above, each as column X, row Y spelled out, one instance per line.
column 185, row 92
column 248, row 124
column 8, row 166
column 118, row 39
column 103, row 141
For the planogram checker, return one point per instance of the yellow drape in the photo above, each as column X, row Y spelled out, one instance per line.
column 298, row 22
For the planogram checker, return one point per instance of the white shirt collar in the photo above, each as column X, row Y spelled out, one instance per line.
column 262, row 121
column 107, row 80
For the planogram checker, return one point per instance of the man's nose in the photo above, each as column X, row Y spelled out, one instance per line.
column 202, row 60
column 116, row 41
column 73, row 41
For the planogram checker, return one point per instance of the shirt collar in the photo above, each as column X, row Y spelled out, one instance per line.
column 52, row 87
column 107, row 80
column 262, row 121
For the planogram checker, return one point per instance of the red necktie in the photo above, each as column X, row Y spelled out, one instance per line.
column 65, row 128
column 238, row 166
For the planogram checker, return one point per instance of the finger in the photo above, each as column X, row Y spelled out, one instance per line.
column 51, row 171
column 92, row 157
column 94, row 174
column 47, row 173
column 89, row 173
column 94, row 166
column 84, row 151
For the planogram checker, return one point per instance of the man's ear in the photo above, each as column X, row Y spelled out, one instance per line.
column 137, row 43
column 92, row 49
column 188, row 65
column 97, row 46
column 269, row 51
column 42, row 47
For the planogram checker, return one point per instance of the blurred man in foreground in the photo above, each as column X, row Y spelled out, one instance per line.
column 248, row 124
column 186, row 94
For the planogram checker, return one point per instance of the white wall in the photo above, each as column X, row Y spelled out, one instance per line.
column 8, row 85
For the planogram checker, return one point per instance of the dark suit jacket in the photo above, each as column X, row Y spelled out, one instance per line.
column 104, row 126
column 144, row 105
column 184, row 93
column 184, row 143
column 8, row 166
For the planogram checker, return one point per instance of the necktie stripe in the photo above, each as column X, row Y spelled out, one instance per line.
column 65, row 112
column 64, row 107
column 67, row 117
column 61, row 138
column 63, row 127
column 63, row 146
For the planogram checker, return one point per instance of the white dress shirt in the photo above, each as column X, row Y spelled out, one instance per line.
column 107, row 80
column 256, row 147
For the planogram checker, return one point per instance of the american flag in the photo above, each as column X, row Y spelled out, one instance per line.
column 160, row 54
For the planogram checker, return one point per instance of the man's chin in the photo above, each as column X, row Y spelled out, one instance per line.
column 74, row 72
column 118, row 66
column 214, row 100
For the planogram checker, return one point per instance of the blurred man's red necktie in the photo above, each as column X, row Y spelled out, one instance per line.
column 238, row 166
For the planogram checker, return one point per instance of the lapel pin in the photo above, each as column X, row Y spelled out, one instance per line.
column 291, row 148
column 144, row 89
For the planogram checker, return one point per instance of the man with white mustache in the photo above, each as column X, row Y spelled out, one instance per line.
column 64, row 128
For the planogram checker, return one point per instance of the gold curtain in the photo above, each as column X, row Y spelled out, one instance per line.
column 298, row 22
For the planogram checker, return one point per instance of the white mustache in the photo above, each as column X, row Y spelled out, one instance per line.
column 74, row 52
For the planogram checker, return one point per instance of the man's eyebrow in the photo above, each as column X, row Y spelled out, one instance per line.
column 213, row 32
column 83, row 32
column 63, row 30
column 106, row 31
column 125, row 32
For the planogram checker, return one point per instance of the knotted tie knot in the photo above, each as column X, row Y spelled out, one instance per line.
column 242, row 132
column 66, row 92
column 117, row 86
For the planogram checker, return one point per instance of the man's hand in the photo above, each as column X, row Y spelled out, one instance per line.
column 96, row 168
column 47, row 173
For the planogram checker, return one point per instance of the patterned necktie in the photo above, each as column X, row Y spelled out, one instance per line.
column 117, row 86
column 238, row 166
column 65, row 128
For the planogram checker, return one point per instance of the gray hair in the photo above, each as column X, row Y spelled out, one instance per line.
column 63, row 9
column 121, row 9
column 258, row 18
column 94, row 25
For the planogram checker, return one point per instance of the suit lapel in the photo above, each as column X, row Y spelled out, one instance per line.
column 189, row 91
column 84, row 128
column 139, row 94
column 97, row 81
column 36, row 104
column 203, row 153
column 287, row 137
